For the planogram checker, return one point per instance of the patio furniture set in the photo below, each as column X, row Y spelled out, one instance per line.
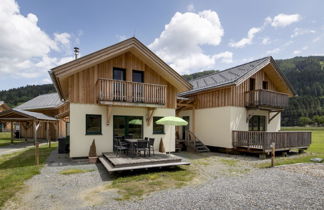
column 133, row 147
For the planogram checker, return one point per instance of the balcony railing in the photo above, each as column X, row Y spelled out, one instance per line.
column 266, row 98
column 261, row 140
column 131, row 92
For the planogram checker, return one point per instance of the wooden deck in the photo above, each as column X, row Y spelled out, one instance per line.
column 260, row 141
column 115, row 163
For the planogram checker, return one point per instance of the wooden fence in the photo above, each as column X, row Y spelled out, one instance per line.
column 262, row 140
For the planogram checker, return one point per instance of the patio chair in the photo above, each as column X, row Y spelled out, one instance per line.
column 120, row 147
column 142, row 145
column 151, row 145
column 146, row 138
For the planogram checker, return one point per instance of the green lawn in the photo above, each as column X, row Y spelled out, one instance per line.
column 17, row 167
column 316, row 149
column 5, row 139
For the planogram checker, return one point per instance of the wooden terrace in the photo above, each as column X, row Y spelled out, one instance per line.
column 123, row 162
column 260, row 141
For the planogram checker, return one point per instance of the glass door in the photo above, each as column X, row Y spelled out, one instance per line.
column 128, row 126
column 119, row 87
column 138, row 89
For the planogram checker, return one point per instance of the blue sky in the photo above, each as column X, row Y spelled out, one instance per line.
column 191, row 36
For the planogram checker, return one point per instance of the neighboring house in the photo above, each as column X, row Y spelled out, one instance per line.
column 49, row 105
column 4, row 126
column 240, row 108
column 107, row 89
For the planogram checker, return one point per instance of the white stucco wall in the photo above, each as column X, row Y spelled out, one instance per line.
column 214, row 126
column 80, row 143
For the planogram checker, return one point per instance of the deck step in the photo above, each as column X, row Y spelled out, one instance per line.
column 111, row 168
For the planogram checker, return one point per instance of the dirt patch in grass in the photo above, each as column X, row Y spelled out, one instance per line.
column 75, row 171
column 16, row 168
column 138, row 185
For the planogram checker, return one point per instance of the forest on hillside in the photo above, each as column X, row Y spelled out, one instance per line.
column 306, row 74
column 14, row 97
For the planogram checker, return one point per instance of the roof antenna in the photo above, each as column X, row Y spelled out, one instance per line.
column 76, row 52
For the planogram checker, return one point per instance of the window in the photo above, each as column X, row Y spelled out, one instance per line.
column 265, row 85
column 93, row 124
column 138, row 76
column 252, row 84
column 119, row 74
column 257, row 123
column 157, row 129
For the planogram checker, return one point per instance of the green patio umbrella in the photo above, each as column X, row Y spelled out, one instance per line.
column 171, row 120
column 135, row 122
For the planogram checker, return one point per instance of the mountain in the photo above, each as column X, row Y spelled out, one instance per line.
column 306, row 74
column 14, row 97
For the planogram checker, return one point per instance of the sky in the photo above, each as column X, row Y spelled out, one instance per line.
column 191, row 36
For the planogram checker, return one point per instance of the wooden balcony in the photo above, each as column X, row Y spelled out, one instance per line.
column 266, row 99
column 130, row 93
column 261, row 141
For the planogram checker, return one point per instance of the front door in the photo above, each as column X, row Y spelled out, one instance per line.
column 185, row 129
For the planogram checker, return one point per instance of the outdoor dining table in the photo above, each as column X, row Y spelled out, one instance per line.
column 132, row 143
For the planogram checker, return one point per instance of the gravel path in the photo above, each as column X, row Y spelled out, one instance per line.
column 298, row 186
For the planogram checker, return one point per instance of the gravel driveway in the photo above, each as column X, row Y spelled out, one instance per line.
column 298, row 186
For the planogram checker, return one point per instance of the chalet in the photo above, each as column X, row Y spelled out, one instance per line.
column 239, row 108
column 107, row 89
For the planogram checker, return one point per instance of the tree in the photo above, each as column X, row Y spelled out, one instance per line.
column 304, row 121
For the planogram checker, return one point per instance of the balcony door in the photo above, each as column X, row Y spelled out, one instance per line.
column 257, row 123
column 128, row 126
column 119, row 86
column 138, row 88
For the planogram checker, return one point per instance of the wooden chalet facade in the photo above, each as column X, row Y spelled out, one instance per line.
column 239, row 108
column 107, row 89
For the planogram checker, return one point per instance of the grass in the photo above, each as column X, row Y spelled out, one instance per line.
column 75, row 171
column 316, row 149
column 16, row 168
column 229, row 162
column 5, row 139
column 137, row 185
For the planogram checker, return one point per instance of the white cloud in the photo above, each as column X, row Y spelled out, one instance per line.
column 180, row 44
column 121, row 37
column 190, row 8
column 24, row 47
column 273, row 51
column 296, row 52
column 283, row 20
column 266, row 41
column 301, row 31
column 246, row 41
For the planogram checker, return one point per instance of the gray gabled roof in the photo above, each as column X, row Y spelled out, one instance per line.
column 231, row 76
column 28, row 114
column 46, row 101
column 36, row 115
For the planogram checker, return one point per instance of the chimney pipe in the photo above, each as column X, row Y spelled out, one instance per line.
column 76, row 52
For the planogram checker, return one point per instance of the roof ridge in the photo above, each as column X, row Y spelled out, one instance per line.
column 218, row 72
